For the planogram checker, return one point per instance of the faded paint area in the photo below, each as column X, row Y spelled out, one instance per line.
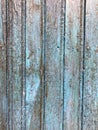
column 48, row 65
column 72, row 65
column 16, row 48
column 53, row 99
column 90, row 120
column 33, row 58
column 2, row 73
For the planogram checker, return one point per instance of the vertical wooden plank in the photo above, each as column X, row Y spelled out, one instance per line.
column 90, row 96
column 19, row 63
column 16, row 64
column 13, row 64
column 33, row 64
column 72, row 64
column 53, row 88
column 9, row 66
column 2, row 66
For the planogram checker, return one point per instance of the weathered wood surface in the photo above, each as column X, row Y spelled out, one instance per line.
column 72, row 64
column 48, row 64
column 53, row 90
column 90, row 96
column 33, row 64
column 2, row 66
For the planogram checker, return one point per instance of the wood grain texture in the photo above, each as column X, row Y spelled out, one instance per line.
column 53, row 93
column 9, row 66
column 33, row 65
column 90, row 109
column 13, row 72
column 48, row 64
column 72, row 65
column 2, row 66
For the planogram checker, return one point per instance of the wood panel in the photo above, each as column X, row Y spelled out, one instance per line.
column 90, row 102
column 12, row 64
column 53, row 88
column 72, row 64
column 48, row 64
column 33, row 64
column 14, row 70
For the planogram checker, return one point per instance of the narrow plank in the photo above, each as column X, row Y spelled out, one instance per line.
column 2, row 67
column 33, row 64
column 9, row 67
column 72, row 65
column 53, row 86
column 90, row 96
column 13, row 63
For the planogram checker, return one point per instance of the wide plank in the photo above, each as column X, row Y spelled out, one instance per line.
column 52, row 58
column 72, row 68
column 33, row 65
column 90, row 96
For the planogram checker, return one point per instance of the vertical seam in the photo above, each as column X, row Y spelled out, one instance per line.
column 11, row 89
column 7, row 116
column 83, row 68
column 64, row 58
column 23, row 65
column 44, row 51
